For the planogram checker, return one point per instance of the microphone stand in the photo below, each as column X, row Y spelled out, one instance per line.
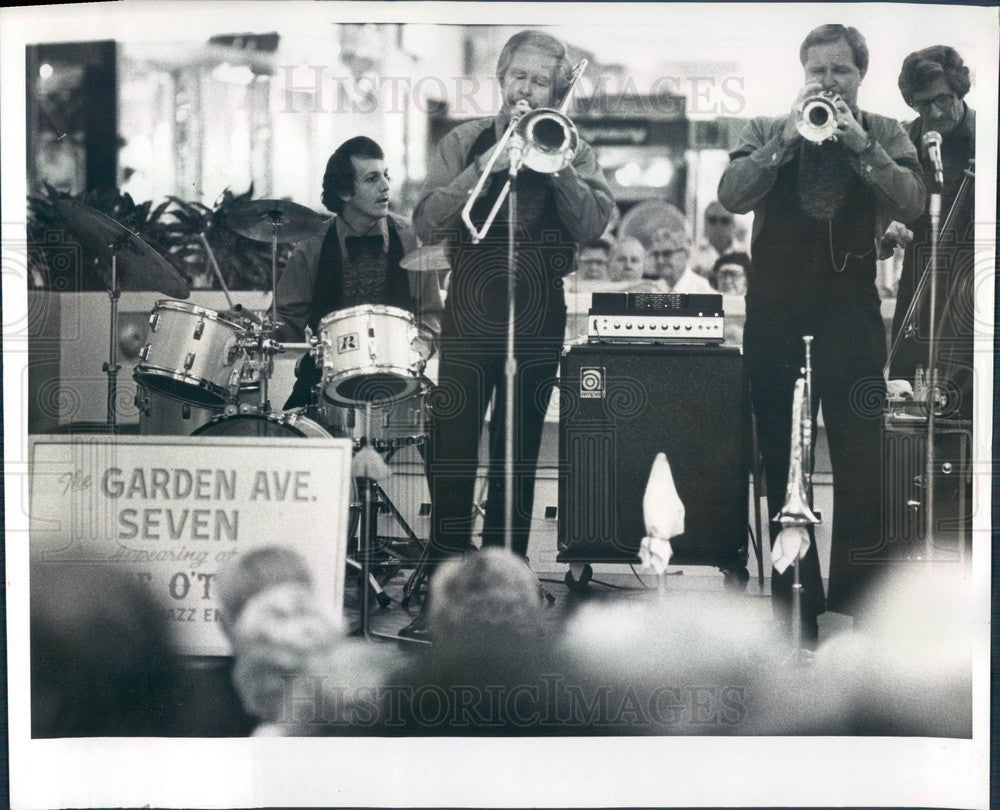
column 510, row 365
column 932, row 377
column 907, row 326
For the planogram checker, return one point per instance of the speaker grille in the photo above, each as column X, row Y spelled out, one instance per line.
column 687, row 402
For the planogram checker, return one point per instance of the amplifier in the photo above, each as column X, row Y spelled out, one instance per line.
column 656, row 318
column 619, row 407
column 904, row 518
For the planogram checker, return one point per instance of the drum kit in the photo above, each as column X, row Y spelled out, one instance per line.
column 207, row 373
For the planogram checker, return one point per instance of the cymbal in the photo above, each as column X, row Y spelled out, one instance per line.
column 138, row 266
column 253, row 219
column 426, row 259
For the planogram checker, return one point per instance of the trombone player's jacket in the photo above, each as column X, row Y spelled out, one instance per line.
column 555, row 213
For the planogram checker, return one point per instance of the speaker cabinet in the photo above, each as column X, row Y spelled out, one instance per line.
column 619, row 407
column 904, row 516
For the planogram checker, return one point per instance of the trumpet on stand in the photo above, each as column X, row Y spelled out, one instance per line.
column 796, row 515
column 545, row 140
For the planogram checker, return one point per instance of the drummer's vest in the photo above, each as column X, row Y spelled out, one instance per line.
column 545, row 252
column 328, row 288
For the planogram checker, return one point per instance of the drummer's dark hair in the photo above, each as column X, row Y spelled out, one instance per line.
column 339, row 175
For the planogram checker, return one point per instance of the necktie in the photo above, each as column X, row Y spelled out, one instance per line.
column 358, row 246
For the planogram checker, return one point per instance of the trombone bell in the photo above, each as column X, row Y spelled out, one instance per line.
column 549, row 140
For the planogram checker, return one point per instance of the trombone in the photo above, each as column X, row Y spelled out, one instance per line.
column 545, row 140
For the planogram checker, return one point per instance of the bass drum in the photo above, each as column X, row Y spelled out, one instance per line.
column 280, row 423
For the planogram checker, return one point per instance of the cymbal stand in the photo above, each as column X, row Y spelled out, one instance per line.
column 112, row 367
column 276, row 224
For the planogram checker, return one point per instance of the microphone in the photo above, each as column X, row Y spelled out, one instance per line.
column 932, row 143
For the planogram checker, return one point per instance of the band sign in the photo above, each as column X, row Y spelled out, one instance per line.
column 347, row 343
column 172, row 512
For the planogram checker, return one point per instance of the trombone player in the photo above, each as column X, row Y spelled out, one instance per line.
column 823, row 182
column 556, row 212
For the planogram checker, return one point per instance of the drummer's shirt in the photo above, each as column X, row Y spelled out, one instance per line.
column 363, row 275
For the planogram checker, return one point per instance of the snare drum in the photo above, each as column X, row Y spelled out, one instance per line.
column 278, row 423
column 368, row 355
column 192, row 355
column 393, row 426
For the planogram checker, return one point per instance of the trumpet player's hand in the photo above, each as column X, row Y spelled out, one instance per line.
column 790, row 133
column 897, row 234
column 849, row 131
column 899, row 389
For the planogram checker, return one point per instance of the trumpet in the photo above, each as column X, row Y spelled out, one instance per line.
column 818, row 116
column 796, row 515
column 545, row 140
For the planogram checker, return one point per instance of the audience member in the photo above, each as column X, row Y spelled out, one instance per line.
column 273, row 621
column 627, row 259
column 666, row 269
column 102, row 663
column 722, row 234
column 729, row 273
column 592, row 261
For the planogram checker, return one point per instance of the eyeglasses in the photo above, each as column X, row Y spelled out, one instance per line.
column 942, row 102
column 666, row 253
column 719, row 220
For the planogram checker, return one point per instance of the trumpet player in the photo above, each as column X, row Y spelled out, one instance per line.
column 823, row 182
column 555, row 213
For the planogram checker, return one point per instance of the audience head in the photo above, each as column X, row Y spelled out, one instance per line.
column 272, row 618
column 102, row 663
column 729, row 273
column 720, row 226
column 485, row 604
column 669, row 252
column 592, row 261
column 933, row 81
column 627, row 258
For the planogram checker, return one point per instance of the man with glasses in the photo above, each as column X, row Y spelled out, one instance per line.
column 934, row 82
column 820, row 210
column 721, row 236
column 666, row 269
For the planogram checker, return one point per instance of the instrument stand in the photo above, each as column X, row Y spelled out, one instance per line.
column 112, row 367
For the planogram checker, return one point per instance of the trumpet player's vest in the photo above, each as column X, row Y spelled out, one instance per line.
column 804, row 264
column 477, row 294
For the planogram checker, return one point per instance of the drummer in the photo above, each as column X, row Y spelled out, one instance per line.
column 354, row 261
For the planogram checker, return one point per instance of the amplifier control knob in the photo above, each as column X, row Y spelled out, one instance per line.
column 677, row 326
column 688, row 327
column 640, row 325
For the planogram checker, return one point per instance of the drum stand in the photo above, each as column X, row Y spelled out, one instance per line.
column 374, row 496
